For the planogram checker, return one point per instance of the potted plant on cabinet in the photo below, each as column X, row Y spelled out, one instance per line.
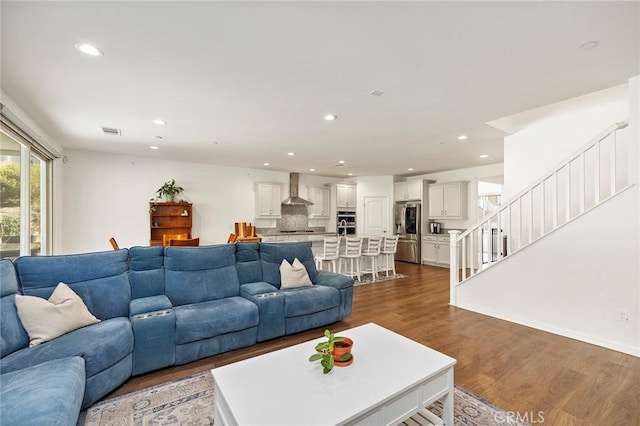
column 169, row 190
column 335, row 351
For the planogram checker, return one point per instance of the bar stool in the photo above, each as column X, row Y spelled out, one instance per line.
column 372, row 252
column 352, row 252
column 330, row 253
column 388, row 254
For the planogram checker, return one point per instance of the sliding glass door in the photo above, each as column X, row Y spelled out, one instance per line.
column 24, row 200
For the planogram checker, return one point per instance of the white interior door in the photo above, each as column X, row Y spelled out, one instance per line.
column 376, row 215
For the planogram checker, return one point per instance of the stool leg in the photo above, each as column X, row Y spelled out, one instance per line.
column 393, row 264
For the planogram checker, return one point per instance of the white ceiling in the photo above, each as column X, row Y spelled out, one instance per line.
column 243, row 83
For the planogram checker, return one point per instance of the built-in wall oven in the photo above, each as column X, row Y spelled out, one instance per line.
column 407, row 218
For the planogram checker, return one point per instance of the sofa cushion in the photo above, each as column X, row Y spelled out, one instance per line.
column 12, row 335
column 100, row 279
column 308, row 300
column 293, row 275
column 208, row 319
column 272, row 254
column 101, row 345
column 200, row 274
column 49, row 393
column 253, row 289
column 146, row 271
column 248, row 262
column 149, row 304
column 45, row 320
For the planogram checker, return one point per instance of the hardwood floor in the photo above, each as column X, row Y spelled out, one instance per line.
column 533, row 373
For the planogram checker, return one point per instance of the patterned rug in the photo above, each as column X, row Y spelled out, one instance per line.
column 189, row 401
column 366, row 279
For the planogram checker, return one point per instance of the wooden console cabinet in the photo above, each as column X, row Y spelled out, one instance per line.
column 169, row 218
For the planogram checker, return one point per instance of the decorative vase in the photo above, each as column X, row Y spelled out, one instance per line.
column 340, row 349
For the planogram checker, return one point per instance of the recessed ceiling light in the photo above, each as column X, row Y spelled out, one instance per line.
column 159, row 122
column 410, row 169
column 440, row 143
column 330, row 117
column 312, row 170
column 350, row 174
column 376, row 92
column 154, row 147
column 484, row 156
column 159, row 137
column 589, row 45
column 291, row 154
column 462, row 137
column 266, row 164
column 89, row 49
column 341, row 162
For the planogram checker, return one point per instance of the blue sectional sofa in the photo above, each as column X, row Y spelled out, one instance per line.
column 157, row 307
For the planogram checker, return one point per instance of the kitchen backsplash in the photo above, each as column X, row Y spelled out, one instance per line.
column 293, row 218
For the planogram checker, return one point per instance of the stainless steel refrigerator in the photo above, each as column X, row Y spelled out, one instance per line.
column 407, row 227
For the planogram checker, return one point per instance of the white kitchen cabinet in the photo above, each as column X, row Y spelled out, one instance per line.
column 268, row 199
column 345, row 196
column 448, row 200
column 430, row 250
column 320, row 196
column 408, row 190
column 436, row 250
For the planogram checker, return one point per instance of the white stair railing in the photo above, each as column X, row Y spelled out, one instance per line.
column 592, row 175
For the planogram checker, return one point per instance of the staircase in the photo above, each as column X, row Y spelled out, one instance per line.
column 595, row 174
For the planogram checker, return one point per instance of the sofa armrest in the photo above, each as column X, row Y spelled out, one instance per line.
column 253, row 289
column 149, row 304
column 331, row 279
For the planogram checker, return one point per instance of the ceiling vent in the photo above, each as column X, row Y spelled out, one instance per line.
column 111, row 131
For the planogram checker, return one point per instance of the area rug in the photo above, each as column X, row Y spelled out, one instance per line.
column 189, row 401
column 366, row 279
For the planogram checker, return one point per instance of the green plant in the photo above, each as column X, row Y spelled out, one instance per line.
column 324, row 352
column 169, row 190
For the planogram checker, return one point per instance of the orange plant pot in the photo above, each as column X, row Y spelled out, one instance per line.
column 340, row 349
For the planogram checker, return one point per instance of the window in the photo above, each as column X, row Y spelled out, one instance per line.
column 25, row 204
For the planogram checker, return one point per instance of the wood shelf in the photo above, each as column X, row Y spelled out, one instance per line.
column 168, row 219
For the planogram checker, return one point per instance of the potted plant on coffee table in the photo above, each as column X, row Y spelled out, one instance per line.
column 335, row 351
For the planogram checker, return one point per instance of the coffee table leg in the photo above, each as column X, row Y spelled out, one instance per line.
column 447, row 408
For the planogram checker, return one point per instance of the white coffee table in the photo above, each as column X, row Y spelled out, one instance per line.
column 391, row 379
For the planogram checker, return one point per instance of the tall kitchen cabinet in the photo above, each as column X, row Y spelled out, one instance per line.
column 345, row 196
column 320, row 196
column 169, row 218
column 268, row 200
column 408, row 190
column 448, row 200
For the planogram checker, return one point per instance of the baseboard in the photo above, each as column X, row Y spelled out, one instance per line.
column 629, row 350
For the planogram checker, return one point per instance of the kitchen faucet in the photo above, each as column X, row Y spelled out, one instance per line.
column 343, row 224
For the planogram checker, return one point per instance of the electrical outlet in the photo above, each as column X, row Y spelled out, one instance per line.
column 623, row 316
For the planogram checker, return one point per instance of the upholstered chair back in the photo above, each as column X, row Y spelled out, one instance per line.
column 248, row 262
column 200, row 274
column 272, row 254
column 100, row 279
column 13, row 336
column 146, row 271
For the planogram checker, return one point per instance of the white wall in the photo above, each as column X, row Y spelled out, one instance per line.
column 107, row 195
column 574, row 282
column 471, row 175
column 546, row 136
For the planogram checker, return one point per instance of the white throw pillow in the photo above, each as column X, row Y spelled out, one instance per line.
column 295, row 275
column 45, row 320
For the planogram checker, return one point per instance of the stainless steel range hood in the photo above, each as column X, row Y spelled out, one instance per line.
column 293, row 199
